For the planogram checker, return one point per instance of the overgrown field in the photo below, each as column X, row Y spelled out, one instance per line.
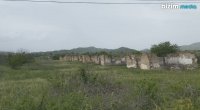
column 55, row 85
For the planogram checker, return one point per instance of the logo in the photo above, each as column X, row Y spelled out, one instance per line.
column 178, row 6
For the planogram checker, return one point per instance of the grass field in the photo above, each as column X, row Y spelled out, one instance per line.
column 55, row 85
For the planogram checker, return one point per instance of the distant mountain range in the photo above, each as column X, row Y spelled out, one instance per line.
column 194, row 46
column 121, row 50
column 4, row 53
column 91, row 50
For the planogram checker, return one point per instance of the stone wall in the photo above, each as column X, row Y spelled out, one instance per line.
column 105, row 60
column 143, row 61
column 155, row 62
column 131, row 61
column 118, row 61
column 95, row 59
column 181, row 60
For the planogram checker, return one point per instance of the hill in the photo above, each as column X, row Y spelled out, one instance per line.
column 90, row 50
column 194, row 46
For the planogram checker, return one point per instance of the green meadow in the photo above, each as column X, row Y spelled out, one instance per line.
column 56, row 85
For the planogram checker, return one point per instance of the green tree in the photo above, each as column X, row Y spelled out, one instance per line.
column 163, row 49
column 16, row 60
column 56, row 57
column 3, row 59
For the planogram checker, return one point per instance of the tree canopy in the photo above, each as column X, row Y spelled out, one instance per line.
column 164, row 48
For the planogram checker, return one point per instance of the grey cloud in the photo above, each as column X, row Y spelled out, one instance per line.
column 48, row 26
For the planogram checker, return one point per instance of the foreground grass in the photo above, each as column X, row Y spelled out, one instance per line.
column 54, row 85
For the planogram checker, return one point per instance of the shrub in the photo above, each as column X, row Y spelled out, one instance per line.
column 3, row 59
column 56, row 57
column 84, row 75
column 198, row 59
column 186, row 95
column 18, row 59
column 184, row 104
column 148, row 95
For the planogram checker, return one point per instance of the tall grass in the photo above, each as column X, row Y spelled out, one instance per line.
column 55, row 85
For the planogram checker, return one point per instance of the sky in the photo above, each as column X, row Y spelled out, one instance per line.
column 51, row 26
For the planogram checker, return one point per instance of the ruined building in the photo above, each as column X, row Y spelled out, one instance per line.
column 181, row 60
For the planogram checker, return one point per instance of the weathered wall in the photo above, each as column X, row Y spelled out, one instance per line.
column 151, row 61
column 105, row 60
column 123, row 60
column 131, row 61
column 95, row 59
column 155, row 62
column 75, row 58
column 143, row 61
column 116, row 61
column 181, row 60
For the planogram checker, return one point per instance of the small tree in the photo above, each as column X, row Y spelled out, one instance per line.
column 3, row 59
column 16, row 60
column 163, row 49
column 56, row 57
column 198, row 57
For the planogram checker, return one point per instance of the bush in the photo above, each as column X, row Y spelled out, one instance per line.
column 18, row 59
column 3, row 59
column 198, row 59
column 148, row 95
column 56, row 57
column 186, row 95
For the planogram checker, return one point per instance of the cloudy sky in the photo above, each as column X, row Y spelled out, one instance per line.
column 52, row 26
